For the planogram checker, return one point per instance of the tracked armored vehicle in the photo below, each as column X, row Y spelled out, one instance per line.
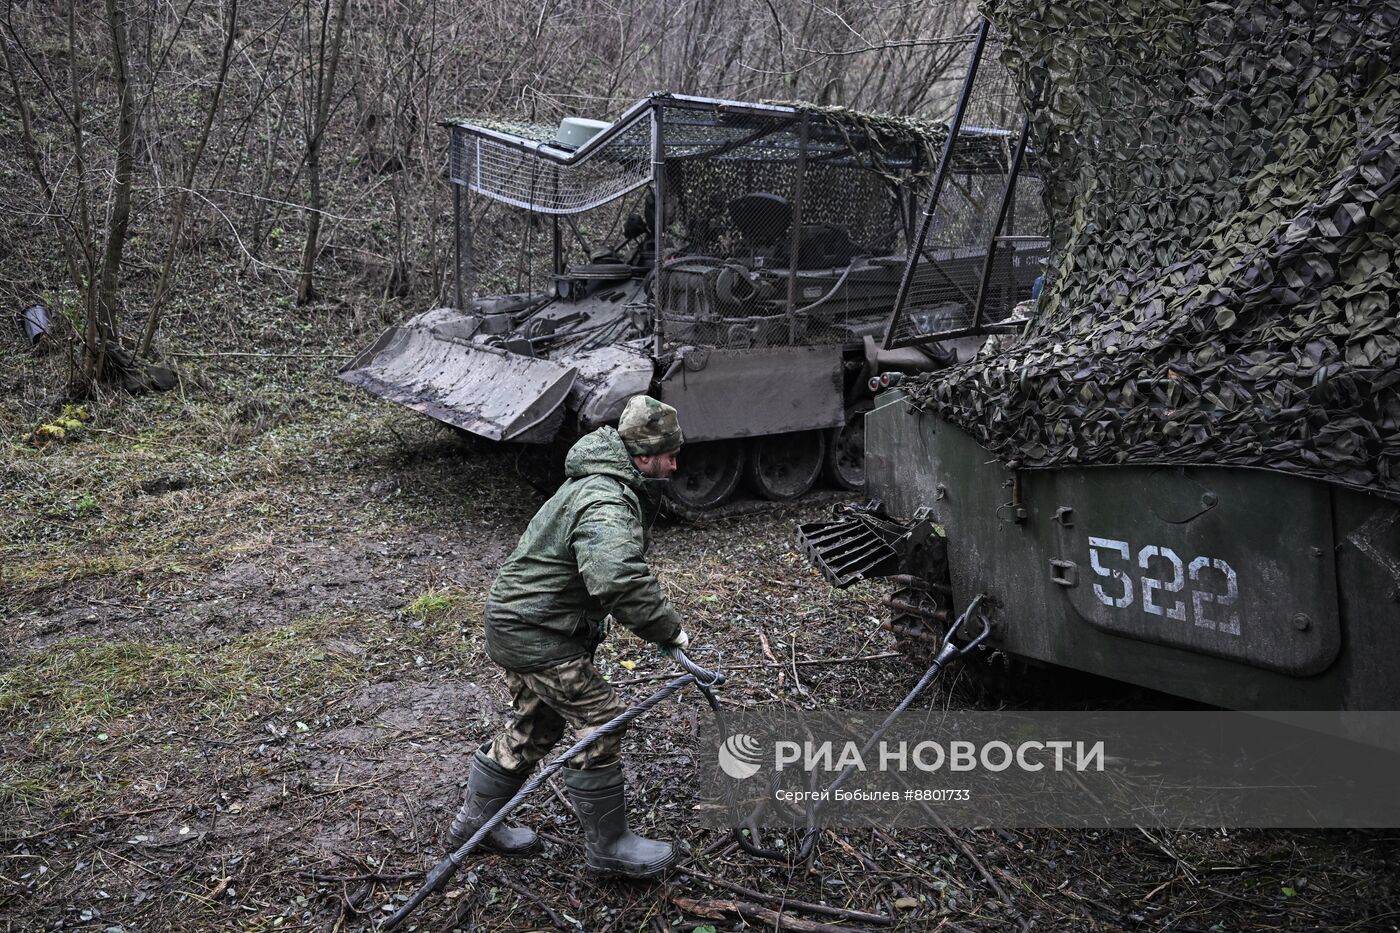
column 1181, row 471
column 739, row 261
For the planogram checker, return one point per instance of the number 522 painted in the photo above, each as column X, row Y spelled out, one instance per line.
column 1214, row 586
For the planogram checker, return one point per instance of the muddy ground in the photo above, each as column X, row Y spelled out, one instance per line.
column 243, row 676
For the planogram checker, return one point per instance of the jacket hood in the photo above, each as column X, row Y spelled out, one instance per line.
column 603, row 452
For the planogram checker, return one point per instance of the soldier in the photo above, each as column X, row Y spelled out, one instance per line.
column 579, row 562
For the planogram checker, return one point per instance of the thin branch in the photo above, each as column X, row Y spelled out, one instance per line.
column 177, row 225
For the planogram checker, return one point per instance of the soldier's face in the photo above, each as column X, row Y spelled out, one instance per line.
column 657, row 466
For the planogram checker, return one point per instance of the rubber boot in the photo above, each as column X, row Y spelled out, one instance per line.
column 488, row 789
column 600, row 801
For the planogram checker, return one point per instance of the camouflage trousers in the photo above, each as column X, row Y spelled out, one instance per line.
column 572, row 693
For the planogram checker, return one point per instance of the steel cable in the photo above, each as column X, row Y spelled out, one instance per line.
column 705, row 681
column 949, row 651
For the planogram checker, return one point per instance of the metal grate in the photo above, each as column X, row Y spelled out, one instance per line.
column 847, row 550
column 514, row 250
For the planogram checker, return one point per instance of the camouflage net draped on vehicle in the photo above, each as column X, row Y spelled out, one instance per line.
column 1222, row 185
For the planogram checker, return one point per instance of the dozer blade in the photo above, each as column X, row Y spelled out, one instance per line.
column 427, row 364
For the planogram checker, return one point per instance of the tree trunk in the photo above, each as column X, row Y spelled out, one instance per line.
column 120, row 216
column 328, row 60
column 306, row 285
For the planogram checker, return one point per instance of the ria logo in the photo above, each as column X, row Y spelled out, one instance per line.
column 739, row 756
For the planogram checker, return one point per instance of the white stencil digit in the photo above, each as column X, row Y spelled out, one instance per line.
column 1201, row 599
column 1150, row 585
column 1121, row 549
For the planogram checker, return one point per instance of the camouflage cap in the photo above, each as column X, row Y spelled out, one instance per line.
column 649, row 427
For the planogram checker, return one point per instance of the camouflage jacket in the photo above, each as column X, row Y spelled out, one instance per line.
column 580, row 560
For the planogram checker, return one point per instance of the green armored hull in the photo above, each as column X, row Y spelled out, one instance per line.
column 1179, row 468
column 1240, row 588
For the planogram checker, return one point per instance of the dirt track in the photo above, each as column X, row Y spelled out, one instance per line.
column 243, row 677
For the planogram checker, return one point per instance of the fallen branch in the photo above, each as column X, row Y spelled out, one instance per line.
column 717, row 910
column 14, row 840
column 808, row 662
column 824, row 910
column 967, row 852
column 554, row 917
column 340, row 790
column 367, row 876
column 767, row 649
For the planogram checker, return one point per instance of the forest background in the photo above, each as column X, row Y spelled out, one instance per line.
column 164, row 161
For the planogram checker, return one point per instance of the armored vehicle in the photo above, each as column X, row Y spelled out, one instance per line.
column 1180, row 471
column 739, row 261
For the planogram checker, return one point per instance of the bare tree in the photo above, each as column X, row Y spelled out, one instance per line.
column 117, row 145
column 187, row 183
column 74, row 259
column 94, row 280
column 119, row 214
column 324, row 36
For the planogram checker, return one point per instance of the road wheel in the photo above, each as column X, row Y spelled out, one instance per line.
column 845, row 451
column 706, row 474
column 784, row 466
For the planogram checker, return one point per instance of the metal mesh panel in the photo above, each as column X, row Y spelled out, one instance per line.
column 781, row 226
column 518, row 175
column 973, row 255
column 514, row 250
column 782, row 229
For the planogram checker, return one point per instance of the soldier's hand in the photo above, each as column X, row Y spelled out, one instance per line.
column 681, row 641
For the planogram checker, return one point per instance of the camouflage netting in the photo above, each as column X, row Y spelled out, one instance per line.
column 1223, row 193
column 885, row 133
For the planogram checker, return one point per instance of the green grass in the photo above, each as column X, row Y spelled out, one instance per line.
column 263, row 455
column 21, row 787
column 95, row 714
column 433, row 603
column 88, row 688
